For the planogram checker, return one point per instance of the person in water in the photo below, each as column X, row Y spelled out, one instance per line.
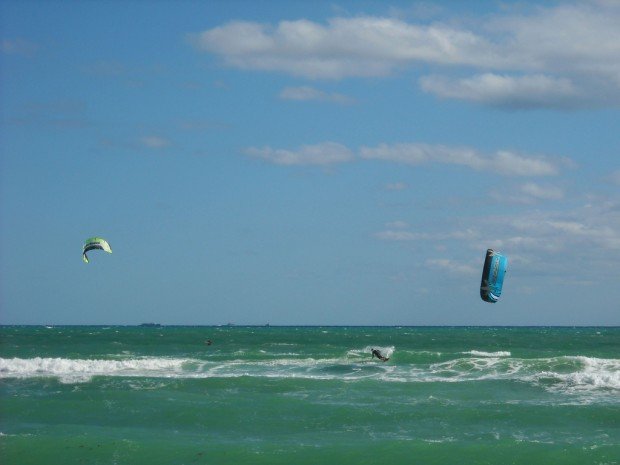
column 379, row 355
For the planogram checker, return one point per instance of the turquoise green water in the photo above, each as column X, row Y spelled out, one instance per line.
column 297, row 395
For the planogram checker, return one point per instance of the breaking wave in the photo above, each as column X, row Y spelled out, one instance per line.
column 480, row 353
column 82, row 370
column 567, row 374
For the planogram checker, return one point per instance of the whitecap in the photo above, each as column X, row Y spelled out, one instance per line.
column 480, row 353
column 583, row 379
column 82, row 370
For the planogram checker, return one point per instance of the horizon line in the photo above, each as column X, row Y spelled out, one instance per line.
column 268, row 325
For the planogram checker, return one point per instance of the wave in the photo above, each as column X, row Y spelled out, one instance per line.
column 566, row 374
column 480, row 353
column 81, row 370
column 591, row 373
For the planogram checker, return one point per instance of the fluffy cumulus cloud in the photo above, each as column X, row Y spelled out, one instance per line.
column 344, row 47
column 327, row 153
column 560, row 56
column 502, row 162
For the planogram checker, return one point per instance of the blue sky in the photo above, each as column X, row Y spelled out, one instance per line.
column 309, row 162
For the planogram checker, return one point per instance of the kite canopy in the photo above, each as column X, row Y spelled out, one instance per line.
column 493, row 276
column 95, row 243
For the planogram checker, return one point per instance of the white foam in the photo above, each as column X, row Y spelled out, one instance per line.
column 80, row 370
column 568, row 374
column 593, row 374
column 480, row 353
column 440, row 441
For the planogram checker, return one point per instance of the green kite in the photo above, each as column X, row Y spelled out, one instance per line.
column 95, row 243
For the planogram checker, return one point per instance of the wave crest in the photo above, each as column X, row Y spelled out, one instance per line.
column 81, row 370
column 567, row 374
column 480, row 353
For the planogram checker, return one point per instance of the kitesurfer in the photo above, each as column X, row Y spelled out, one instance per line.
column 379, row 355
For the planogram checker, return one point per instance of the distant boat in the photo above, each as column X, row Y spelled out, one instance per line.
column 150, row 325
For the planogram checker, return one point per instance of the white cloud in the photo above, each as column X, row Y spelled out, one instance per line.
column 323, row 154
column 615, row 177
column 344, row 47
column 396, row 186
column 398, row 224
column 502, row 162
column 154, row 142
column 527, row 194
column 509, row 163
column 579, row 38
column 542, row 192
column 560, row 56
column 568, row 244
column 528, row 91
column 306, row 93
column 398, row 231
column 602, row 234
column 398, row 235
column 590, row 230
column 452, row 266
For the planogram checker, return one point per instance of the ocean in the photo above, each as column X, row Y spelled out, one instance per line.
column 309, row 395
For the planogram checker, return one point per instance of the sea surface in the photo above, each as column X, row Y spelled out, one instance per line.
column 309, row 395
